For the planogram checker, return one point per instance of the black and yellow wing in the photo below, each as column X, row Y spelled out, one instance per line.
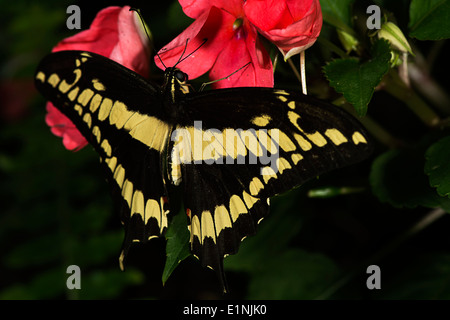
column 255, row 143
column 120, row 114
column 231, row 149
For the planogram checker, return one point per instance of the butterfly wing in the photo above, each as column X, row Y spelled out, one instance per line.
column 238, row 147
column 120, row 114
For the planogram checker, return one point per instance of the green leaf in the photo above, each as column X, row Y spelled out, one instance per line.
column 424, row 276
column 107, row 284
column 357, row 80
column 274, row 234
column 429, row 20
column 437, row 166
column 177, row 248
column 397, row 177
column 293, row 274
column 338, row 14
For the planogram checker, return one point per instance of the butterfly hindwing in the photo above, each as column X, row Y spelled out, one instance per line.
column 119, row 113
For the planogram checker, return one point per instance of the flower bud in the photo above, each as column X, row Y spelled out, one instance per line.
column 395, row 36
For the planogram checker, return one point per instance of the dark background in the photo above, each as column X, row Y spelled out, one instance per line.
column 55, row 209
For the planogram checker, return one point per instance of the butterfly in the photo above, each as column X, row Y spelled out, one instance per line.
column 230, row 150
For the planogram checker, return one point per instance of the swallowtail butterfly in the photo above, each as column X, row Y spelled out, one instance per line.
column 230, row 149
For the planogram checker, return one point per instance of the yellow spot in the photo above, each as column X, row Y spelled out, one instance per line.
column 282, row 164
column 64, row 86
column 251, row 142
column 336, row 136
column 296, row 157
column 266, row 141
column 249, row 200
column 358, row 138
column 163, row 223
column 175, row 168
column 88, row 120
column 291, row 104
column 317, row 138
column 293, row 117
column 85, row 54
column 53, row 80
column 98, row 85
column 152, row 210
column 281, row 92
column 237, row 207
column 282, row 98
column 195, row 229
column 105, row 109
column 119, row 175
column 96, row 132
column 222, row 218
column 285, row 142
column 212, row 145
column 127, row 191
column 85, row 96
column 106, row 147
column 73, row 94
column 40, row 76
column 234, row 145
column 268, row 173
column 255, row 186
column 111, row 162
column 137, row 203
column 302, row 142
column 207, row 226
column 77, row 62
column 78, row 109
column 95, row 102
column 261, row 121
column 119, row 114
column 151, row 131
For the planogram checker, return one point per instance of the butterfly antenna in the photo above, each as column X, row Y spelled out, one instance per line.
column 148, row 36
column 214, row 81
column 181, row 59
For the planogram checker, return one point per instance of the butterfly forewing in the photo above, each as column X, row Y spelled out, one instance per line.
column 120, row 114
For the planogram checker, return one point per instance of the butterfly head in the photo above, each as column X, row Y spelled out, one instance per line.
column 175, row 83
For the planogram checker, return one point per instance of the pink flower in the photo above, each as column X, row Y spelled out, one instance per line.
column 231, row 28
column 292, row 25
column 116, row 33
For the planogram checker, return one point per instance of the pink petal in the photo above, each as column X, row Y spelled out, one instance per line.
column 116, row 33
column 257, row 12
column 62, row 126
column 195, row 8
column 132, row 49
column 100, row 38
column 216, row 26
column 238, row 53
column 300, row 34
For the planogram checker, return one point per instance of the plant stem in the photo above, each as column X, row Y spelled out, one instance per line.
column 375, row 129
column 394, row 86
column 297, row 74
column 423, row 223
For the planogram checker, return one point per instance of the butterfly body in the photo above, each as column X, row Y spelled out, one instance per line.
column 230, row 149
